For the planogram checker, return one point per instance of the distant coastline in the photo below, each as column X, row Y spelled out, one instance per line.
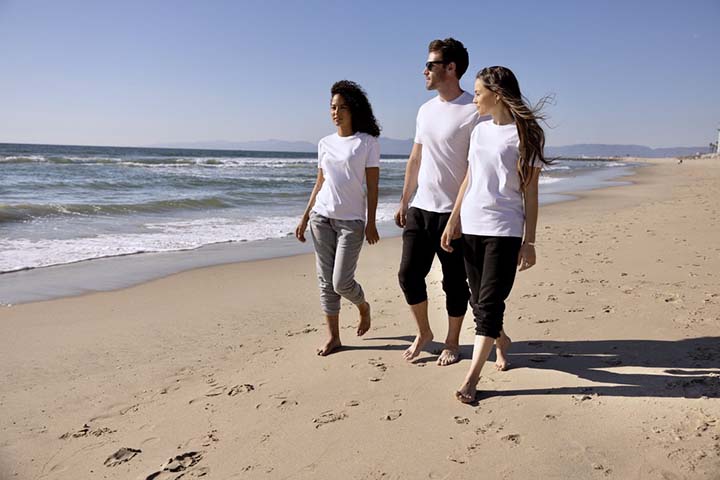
column 396, row 148
column 392, row 146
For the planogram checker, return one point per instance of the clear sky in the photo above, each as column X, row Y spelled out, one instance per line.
column 152, row 71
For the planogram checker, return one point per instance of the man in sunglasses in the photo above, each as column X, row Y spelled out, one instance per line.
column 434, row 172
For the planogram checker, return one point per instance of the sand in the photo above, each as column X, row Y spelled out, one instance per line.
column 211, row 373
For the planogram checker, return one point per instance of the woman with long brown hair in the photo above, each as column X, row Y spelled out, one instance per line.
column 496, row 210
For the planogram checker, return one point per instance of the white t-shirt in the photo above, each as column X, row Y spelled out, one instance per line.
column 343, row 161
column 493, row 203
column 443, row 129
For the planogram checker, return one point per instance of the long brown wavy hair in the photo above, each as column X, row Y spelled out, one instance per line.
column 502, row 82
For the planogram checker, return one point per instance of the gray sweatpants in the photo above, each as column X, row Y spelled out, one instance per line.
column 337, row 248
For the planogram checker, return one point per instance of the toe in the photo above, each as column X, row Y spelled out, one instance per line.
column 463, row 397
column 448, row 357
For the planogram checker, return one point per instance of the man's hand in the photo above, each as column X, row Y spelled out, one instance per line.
column 401, row 215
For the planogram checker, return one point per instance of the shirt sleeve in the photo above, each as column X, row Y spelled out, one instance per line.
column 373, row 158
column 320, row 153
column 418, row 137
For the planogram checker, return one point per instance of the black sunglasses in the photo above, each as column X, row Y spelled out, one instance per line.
column 430, row 65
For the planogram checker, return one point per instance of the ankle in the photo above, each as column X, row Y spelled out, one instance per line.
column 471, row 380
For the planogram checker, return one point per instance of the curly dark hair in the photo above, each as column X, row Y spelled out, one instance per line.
column 363, row 119
column 452, row 51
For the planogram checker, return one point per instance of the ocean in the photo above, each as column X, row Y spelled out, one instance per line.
column 66, row 204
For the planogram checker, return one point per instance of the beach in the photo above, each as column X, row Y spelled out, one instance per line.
column 211, row 373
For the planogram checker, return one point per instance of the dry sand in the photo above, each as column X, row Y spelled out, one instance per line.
column 212, row 373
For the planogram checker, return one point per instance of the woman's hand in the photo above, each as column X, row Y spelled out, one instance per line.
column 526, row 257
column 452, row 232
column 371, row 233
column 300, row 229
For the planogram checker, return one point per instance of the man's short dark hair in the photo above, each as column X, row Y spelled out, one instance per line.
column 452, row 51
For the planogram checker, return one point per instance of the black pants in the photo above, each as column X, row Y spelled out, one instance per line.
column 421, row 242
column 491, row 263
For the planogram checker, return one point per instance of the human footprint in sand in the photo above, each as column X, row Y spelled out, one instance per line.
column 340, row 214
column 433, row 175
column 496, row 211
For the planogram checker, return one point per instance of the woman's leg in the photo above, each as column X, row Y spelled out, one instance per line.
column 333, row 342
column 351, row 234
column 499, row 262
column 490, row 263
column 481, row 350
column 502, row 345
column 325, row 242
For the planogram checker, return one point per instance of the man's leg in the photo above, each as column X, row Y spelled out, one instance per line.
column 425, row 334
column 451, row 350
column 417, row 257
column 457, row 294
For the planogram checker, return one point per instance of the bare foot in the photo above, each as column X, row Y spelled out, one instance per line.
column 449, row 356
column 466, row 393
column 364, row 324
column 417, row 346
column 331, row 345
column 502, row 345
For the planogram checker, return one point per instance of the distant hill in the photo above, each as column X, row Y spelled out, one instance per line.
column 392, row 146
column 602, row 150
column 271, row 145
column 388, row 146
column 403, row 147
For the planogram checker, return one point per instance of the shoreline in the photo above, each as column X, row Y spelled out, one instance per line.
column 615, row 332
column 123, row 271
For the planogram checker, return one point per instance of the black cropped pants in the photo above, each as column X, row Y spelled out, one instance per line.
column 421, row 242
column 491, row 263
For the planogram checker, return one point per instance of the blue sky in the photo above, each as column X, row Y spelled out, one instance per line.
column 146, row 72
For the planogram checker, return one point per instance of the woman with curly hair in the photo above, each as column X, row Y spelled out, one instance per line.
column 496, row 210
column 339, row 212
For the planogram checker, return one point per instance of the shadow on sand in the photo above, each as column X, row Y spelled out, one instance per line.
column 688, row 368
